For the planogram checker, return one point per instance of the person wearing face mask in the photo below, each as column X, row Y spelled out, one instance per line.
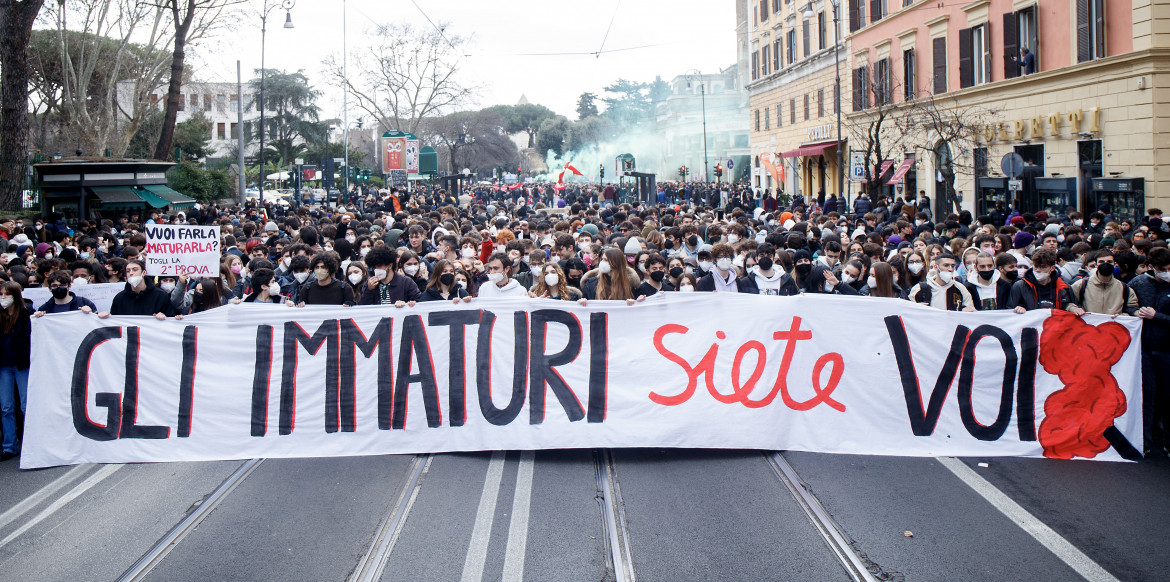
column 15, row 351
column 265, row 288
column 686, row 283
column 385, row 287
column 323, row 288
column 500, row 283
column 655, row 272
column 881, row 282
column 552, row 285
column 298, row 275
column 722, row 278
column 854, row 273
column 1020, row 245
column 355, row 276
column 802, row 267
column 411, row 266
column 1153, row 291
column 1040, row 287
column 140, row 297
column 767, row 278
column 613, row 279
column 441, row 286
column 59, row 285
column 941, row 290
column 988, row 288
column 1101, row 292
column 822, row 280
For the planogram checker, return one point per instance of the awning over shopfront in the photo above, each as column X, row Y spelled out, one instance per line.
column 881, row 171
column 151, row 199
column 815, row 149
column 901, row 171
column 114, row 197
column 177, row 200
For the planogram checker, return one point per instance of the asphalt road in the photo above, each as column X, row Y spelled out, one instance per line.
column 636, row 514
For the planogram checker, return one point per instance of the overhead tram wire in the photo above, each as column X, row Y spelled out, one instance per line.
column 608, row 28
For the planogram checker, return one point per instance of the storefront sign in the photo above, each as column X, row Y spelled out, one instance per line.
column 821, row 132
column 1055, row 124
column 677, row 370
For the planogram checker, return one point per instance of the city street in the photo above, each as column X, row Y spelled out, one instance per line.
column 635, row 514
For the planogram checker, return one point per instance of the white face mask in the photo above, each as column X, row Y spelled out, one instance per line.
column 80, row 281
column 723, row 263
column 355, row 278
column 285, row 262
column 551, row 279
column 915, row 268
column 273, row 288
column 468, row 253
column 351, row 238
column 1078, row 222
column 301, row 277
column 945, row 276
column 872, row 282
column 1164, row 276
column 733, row 238
column 134, row 281
column 847, row 279
column 705, row 265
column 1041, row 277
column 411, row 270
column 918, row 223
column 379, row 274
column 6, row 302
column 168, row 287
column 364, row 251
column 322, row 274
column 495, row 277
column 462, row 284
column 686, row 288
column 604, row 267
column 85, row 255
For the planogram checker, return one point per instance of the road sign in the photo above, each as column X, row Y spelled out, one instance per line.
column 1015, row 185
column 857, row 165
column 730, row 164
column 1012, row 164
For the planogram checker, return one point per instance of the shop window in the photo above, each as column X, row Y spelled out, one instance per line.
column 1090, row 30
column 909, row 75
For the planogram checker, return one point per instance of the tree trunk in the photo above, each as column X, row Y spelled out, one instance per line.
column 16, row 19
column 182, row 26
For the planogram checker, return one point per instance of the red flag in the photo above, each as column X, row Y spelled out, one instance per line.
column 559, row 186
column 569, row 166
column 561, row 177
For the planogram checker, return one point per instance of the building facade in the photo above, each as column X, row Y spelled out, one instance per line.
column 795, row 59
column 218, row 102
column 1078, row 89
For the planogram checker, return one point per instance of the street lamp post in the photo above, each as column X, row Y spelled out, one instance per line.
column 288, row 23
column 703, row 94
column 808, row 15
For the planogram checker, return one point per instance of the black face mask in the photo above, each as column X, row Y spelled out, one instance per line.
column 693, row 241
column 658, row 276
column 676, row 272
column 447, row 279
column 1012, row 275
column 1105, row 270
column 575, row 282
column 987, row 275
column 60, row 292
column 803, row 269
column 668, row 245
column 765, row 263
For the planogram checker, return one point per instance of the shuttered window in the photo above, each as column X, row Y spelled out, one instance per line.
column 1090, row 30
column 909, row 75
column 939, row 64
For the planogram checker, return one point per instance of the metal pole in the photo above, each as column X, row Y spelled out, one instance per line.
column 345, row 93
column 263, row 31
column 703, row 92
column 842, row 190
column 240, row 135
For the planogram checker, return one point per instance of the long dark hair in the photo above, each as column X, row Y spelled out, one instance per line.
column 9, row 317
column 212, row 295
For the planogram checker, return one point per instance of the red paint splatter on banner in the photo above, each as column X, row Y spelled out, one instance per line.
column 1081, row 355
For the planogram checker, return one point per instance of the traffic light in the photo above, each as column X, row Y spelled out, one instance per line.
column 602, row 170
column 682, row 171
column 718, row 170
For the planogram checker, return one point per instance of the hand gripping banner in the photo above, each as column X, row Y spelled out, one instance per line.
column 808, row 373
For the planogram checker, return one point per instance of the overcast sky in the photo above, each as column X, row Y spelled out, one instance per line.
column 682, row 35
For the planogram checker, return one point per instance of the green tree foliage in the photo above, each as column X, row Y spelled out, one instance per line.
column 193, row 137
column 586, row 106
column 290, row 113
column 589, row 131
column 525, row 117
column 202, row 185
column 552, row 136
column 628, row 103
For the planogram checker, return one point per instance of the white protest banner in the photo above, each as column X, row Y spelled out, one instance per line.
column 102, row 294
column 809, row 373
column 180, row 249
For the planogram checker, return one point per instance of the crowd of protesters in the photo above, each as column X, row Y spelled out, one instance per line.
column 395, row 248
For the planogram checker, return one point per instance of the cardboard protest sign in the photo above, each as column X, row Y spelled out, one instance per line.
column 179, row 249
column 808, row 373
column 102, row 294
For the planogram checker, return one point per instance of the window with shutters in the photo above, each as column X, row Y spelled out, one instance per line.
column 767, row 118
column 791, row 45
column 909, row 75
column 755, row 65
column 820, row 103
column 792, row 111
column 821, row 36
column 757, row 121
column 980, row 155
column 1027, row 35
column 881, row 82
column 856, row 14
column 877, row 10
column 776, row 62
column 860, row 88
column 974, row 56
column 221, row 131
column 1090, row 30
column 763, row 10
column 776, row 6
column 780, row 114
column 765, row 59
column 182, row 102
column 807, row 40
column 939, row 64
column 806, row 112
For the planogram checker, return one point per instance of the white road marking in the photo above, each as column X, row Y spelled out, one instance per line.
column 481, row 532
column 518, row 528
column 29, row 503
column 1068, row 553
column 62, row 501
